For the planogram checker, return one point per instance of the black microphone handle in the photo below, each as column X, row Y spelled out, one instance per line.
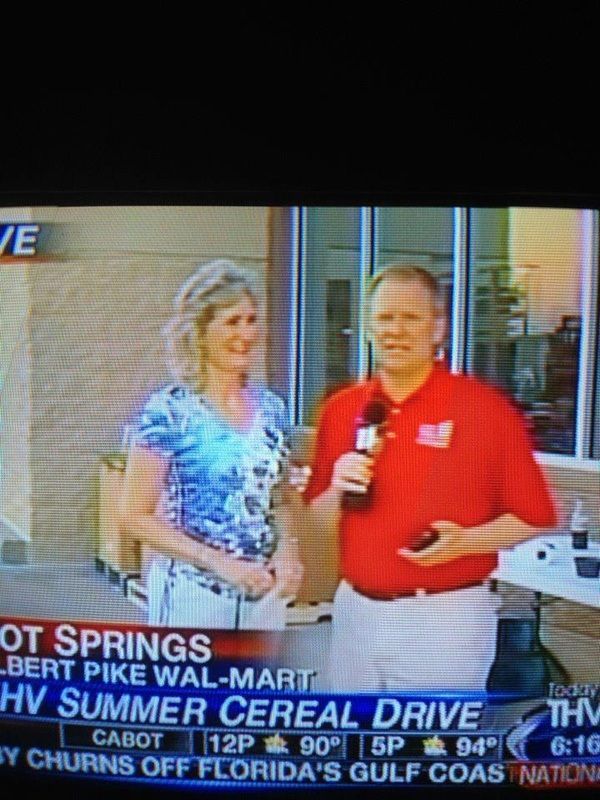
column 358, row 501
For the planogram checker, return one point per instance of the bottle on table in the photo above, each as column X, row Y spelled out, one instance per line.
column 578, row 527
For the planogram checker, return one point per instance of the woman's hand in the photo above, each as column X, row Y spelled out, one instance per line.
column 298, row 477
column 254, row 579
column 288, row 569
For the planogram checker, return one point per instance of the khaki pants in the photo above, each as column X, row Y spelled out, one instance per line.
column 442, row 641
column 177, row 601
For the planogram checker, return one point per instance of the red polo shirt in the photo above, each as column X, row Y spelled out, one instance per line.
column 453, row 450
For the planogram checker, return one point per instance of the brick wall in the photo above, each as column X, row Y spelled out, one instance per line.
column 96, row 347
column 15, row 477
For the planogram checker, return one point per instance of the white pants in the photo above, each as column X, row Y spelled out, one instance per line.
column 440, row 641
column 179, row 602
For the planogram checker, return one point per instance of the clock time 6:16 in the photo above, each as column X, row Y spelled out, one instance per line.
column 577, row 746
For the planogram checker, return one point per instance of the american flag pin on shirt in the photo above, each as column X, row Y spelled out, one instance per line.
column 435, row 434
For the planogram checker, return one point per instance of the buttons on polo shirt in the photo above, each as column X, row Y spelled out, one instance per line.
column 396, row 410
column 391, row 434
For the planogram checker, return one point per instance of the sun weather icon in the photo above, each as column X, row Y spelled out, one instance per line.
column 276, row 744
column 434, row 746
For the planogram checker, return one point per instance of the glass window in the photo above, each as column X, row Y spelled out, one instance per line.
column 523, row 305
column 422, row 237
column 332, row 281
column 596, row 408
column 524, row 313
column 331, row 264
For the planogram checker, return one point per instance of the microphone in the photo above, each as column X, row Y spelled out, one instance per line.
column 367, row 437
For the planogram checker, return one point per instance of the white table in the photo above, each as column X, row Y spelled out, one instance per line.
column 555, row 576
column 521, row 567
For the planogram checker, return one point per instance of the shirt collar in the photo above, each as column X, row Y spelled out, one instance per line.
column 433, row 383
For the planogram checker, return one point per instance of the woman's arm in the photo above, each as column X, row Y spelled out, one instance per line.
column 144, row 478
column 286, row 562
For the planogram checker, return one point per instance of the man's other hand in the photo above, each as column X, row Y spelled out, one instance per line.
column 454, row 541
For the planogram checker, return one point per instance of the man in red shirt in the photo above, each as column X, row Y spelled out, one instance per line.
column 453, row 458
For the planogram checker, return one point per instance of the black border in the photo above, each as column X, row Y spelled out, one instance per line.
column 77, row 148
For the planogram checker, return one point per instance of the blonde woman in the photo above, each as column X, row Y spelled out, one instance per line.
column 208, row 459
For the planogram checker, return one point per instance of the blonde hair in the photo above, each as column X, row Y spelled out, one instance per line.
column 215, row 285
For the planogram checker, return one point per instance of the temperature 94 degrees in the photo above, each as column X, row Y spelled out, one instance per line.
column 475, row 746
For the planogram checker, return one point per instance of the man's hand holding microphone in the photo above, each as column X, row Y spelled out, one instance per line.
column 352, row 472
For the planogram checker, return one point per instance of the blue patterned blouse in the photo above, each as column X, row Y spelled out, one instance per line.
column 220, row 483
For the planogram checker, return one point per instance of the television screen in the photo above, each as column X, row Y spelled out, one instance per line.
column 300, row 496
